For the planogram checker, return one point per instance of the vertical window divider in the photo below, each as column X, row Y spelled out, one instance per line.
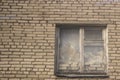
column 81, row 39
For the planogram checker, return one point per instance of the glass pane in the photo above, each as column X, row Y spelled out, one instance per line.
column 69, row 50
column 93, row 34
column 94, row 59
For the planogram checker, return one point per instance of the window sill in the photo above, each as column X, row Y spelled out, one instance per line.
column 82, row 76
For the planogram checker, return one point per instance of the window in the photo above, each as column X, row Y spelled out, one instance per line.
column 81, row 50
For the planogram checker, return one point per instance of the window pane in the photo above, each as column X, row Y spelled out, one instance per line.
column 94, row 53
column 94, row 59
column 93, row 34
column 69, row 50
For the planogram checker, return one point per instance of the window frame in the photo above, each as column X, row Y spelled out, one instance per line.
column 81, row 31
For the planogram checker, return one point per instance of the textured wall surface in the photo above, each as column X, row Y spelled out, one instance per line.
column 27, row 35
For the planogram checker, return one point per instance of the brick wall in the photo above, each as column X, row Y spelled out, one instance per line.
column 27, row 35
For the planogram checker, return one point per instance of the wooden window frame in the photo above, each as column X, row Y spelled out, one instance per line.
column 81, row 32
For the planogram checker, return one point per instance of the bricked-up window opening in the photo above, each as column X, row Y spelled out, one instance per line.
column 81, row 51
